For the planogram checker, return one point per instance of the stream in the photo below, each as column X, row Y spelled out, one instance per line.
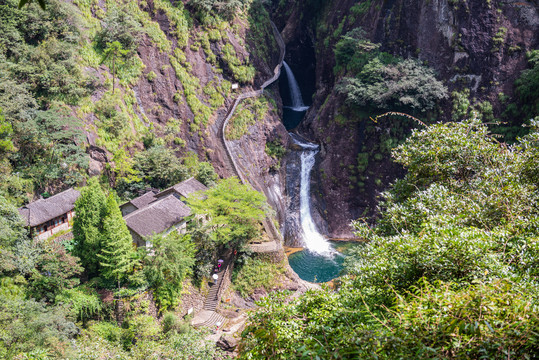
column 319, row 260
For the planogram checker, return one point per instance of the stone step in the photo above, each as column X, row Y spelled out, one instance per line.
column 208, row 319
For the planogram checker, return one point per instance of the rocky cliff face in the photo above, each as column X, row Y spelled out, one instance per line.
column 192, row 68
column 475, row 45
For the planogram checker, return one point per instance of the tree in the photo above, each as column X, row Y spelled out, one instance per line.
column 90, row 209
column 41, row 3
column 380, row 80
column 116, row 53
column 234, row 212
column 6, row 131
column 159, row 167
column 119, row 25
column 407, row 84
column 55, row 271
column 203, row 171
column 169, row 261
column 117, row 254
column 12, row 231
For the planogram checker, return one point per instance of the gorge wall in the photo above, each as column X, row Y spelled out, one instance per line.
column 192, row 67
column 476, row 45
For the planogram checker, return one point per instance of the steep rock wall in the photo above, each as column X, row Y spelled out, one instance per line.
column 475, row 45
column 182, row 68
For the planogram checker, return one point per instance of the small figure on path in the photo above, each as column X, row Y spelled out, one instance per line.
column 215, row 277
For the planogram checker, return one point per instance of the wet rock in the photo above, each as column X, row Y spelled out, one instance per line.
column 228, row 343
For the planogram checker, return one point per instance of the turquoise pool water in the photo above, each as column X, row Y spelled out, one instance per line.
column 318, row 268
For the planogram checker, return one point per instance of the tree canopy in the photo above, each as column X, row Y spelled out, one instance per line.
column 233, row 212
column 448, row 271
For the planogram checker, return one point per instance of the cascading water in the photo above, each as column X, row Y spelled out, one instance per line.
column 295, row 93
column 319, row 261
column 312, row 239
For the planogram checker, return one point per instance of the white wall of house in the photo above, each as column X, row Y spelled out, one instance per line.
column 54, row 226
column 139, row 241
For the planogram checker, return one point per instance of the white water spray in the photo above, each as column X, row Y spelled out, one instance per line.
column 295, row 93
column 313, row 240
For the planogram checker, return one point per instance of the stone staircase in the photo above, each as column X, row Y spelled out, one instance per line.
column 212, row 300
column 208, row 317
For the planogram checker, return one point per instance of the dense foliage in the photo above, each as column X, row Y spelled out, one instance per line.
column 169, row 262
column 233, row 212
column 450, row 270
column 379, row 80
column 39, row 74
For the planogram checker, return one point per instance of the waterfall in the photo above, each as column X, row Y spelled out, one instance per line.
column 312, row 239
column 295, row 92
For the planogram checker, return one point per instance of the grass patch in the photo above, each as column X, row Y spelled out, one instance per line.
column 256, row 273
column 248, row 113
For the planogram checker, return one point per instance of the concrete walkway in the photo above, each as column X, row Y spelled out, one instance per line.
column 269, row 227
column 208, row 317
column 265, row 247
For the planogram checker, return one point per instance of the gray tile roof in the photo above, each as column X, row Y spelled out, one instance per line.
column 157, row 216
column 185, row 188
column 143, row 200
column 43, row 210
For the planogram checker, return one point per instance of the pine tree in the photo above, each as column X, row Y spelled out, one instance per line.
column 117, row 253
column 116, row 53
column 90, row 209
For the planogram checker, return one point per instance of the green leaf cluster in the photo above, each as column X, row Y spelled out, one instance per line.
column 449, row 271
column 168, row 262
column 233, row 212
column 378, row 80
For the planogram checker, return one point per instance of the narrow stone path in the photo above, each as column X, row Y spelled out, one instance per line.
column 208, row 317
column 269, row 227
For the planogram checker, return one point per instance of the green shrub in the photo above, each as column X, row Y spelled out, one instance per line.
column 171, row 322
column 379, row 80
column 243, row 73
column 275, row 149
column 407, row 84
column 151, row 76
column 159, row 167
column 362, row 162
column 119, row 25
column 172, row 259
column 247, row 113
column 256, row 274
column 527, row 86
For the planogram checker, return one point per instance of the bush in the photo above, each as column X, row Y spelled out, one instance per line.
column 171, row 261
column 405, row 85
column 171, row 322
column 159, row 167
column 528, row 87
column 119, row 26
column 379, row 80
column 248, row 113
column 256, row 274
column 275, row 149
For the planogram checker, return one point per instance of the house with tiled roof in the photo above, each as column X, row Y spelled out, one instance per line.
column 138, row 203
column 160, row 217
column 183, row 189
column 46, row 217
column 159, row 213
